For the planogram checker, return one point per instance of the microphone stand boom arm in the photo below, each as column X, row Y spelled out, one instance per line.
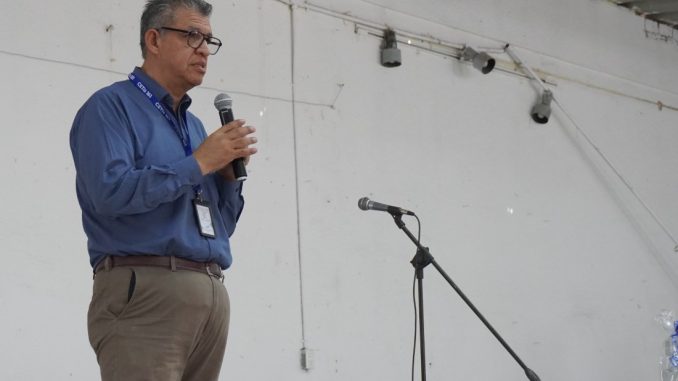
column 422, row 259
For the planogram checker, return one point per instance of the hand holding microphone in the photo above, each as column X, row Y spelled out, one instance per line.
column 229, row 144
column 224, row 105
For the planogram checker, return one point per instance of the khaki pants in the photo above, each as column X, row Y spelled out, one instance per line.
column 150, row 323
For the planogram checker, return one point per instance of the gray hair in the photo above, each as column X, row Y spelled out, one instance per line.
column 159, row 13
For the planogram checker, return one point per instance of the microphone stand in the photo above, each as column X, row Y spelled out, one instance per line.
column 424, row 258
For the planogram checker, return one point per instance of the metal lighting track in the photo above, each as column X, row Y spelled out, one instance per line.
column 661, row 11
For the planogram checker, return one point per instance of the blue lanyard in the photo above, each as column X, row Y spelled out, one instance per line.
column 181, row 132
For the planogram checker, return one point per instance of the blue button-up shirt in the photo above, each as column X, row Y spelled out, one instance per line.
column 135, row 184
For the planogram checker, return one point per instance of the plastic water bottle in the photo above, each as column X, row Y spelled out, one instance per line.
column 669, row 362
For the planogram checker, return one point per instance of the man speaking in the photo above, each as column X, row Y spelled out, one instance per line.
column 159, row 202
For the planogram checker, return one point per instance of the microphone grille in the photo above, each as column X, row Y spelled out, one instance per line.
column 223, row 102
column 363, row 203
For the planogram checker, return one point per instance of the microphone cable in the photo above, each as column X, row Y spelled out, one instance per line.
column 414, row 302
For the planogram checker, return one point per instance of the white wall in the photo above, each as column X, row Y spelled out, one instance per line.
column 528, row 219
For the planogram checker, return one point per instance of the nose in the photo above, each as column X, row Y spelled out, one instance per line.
column 203, row 49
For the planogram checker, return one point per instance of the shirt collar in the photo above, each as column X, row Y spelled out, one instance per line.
column 160, row 92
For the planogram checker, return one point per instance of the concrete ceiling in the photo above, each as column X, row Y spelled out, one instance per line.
column 661, row 11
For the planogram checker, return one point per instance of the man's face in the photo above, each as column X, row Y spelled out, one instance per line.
column 184, row 67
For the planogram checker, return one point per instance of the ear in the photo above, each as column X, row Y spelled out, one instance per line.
column 152, row 40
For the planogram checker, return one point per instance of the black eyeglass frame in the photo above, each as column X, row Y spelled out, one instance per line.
column 211, row 40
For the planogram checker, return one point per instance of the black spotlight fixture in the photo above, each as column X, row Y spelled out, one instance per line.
column 542, row 109
column 390, row 54
column 481, row 61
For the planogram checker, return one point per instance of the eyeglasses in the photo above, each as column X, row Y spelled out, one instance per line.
column 194, row 39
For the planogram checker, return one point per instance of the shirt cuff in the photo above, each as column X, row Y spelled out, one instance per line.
column 189, row 171
column 229, row 187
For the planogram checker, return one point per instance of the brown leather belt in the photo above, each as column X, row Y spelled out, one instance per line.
column 172, row 263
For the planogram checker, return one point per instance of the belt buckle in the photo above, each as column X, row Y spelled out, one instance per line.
column 210, row 273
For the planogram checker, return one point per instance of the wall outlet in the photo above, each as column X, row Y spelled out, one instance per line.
column 306, row 359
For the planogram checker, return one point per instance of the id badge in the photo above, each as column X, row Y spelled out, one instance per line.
column 204, row 216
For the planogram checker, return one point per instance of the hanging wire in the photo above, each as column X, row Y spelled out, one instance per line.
column 607, row 161
column 414, row 303
column 416, row 321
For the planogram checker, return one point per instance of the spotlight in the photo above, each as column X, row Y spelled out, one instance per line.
column 481, row 61
column 390, row 54
column 542, row 110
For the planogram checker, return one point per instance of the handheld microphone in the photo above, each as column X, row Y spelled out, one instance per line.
column 367, row 204
column 223, row 103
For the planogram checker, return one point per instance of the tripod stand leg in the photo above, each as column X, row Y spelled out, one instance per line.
column 424, row 258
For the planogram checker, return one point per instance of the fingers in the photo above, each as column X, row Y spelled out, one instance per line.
column 229, row 142
column 244, row 142
column 236, row 128
column 233, row 140
column 232, row 125
column 246, row 152
column 237, row 133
